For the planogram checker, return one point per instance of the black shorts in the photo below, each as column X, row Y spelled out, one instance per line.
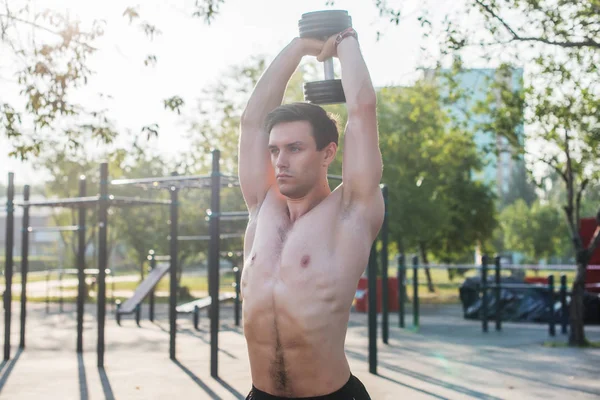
column 352, row 390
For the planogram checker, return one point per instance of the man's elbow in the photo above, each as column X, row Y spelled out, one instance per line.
column 245, row 119
column 364, row 103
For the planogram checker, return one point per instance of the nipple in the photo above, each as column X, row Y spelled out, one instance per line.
column 305, row 261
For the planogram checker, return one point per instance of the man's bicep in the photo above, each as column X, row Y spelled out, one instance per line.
column 362, row 164
column 254, row 166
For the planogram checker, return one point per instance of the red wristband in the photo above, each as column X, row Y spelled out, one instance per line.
column 344, row 34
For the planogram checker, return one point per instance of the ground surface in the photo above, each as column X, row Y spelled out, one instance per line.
column 448, row 358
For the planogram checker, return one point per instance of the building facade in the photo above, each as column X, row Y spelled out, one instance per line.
column 500, row 165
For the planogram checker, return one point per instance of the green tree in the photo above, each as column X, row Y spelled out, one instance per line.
column 522, row 187
column 52, row 52
column 559, row 41
column 436, row 208
column 537, row 231
column 141, row 227
column 65, row 170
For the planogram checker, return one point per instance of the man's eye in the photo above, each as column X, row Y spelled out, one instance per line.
column 295, row 149
column 273, row 151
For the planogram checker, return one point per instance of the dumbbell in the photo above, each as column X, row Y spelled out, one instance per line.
column 321, row 25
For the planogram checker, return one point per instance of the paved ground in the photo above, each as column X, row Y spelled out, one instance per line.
column 449, row 358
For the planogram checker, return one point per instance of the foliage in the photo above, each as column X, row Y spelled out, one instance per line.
column 559, row 42
column 537, row 231
column 52, row 63
column 428, row 167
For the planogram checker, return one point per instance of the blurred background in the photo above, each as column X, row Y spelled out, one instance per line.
column 488, row 121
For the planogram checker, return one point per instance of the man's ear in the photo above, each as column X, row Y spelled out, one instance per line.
column 329, row 153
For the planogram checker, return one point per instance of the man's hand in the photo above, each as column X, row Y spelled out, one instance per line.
column 311, row 47
column 328, row 49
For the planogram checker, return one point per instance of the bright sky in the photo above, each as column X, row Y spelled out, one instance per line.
column 191, row 55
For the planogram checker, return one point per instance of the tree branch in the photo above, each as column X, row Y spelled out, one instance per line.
column 551, row 163
column 45, row 29
column 569, row 207
column 516, row 37
column 578, row 202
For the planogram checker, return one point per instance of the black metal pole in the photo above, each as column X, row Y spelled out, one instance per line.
column 237, row 295
column 60, row 290
column 173, row 271
column 415, row 261
column 47, row 291
column 24, row 264
column 8, row 266
column 102, row 258
column 213, row 263
column 551, row 320
column 152, row 266
column 484, row 299
column 564, row 320
column 81, row 266
column 497, row 292
column 372, row 307
column 401, row 290
column 384, row 270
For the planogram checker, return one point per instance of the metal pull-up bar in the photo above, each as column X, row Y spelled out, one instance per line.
column 228, row 215
column 71, row 228
column 207, row 237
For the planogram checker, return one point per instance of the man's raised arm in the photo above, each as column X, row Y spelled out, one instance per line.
column 362, row 165
column 255, row 170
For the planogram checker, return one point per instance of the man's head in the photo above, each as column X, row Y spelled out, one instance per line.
column 303, row 141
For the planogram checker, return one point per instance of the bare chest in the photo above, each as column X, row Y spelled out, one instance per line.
column 290, row 253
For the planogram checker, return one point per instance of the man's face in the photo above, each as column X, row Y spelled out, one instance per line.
column 297, row 163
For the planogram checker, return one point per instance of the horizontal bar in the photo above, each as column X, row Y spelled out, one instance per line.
column 72, row 228
column 136, row 200
column 179, row 182
column 556, row 267
column 444, row 266
column 335, row 177
column 157, row 180
column 74, row 271
column 71, row 202
column 207, row 237
column 518, row 286
column 510, row 266
column 229, row 215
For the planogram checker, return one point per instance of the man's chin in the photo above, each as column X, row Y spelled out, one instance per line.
column 288, row 191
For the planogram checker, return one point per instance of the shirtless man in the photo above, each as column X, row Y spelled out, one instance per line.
column 306, row 246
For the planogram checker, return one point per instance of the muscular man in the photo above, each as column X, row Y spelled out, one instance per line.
column 306, row 246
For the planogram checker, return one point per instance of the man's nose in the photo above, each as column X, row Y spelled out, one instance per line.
column 281, row 161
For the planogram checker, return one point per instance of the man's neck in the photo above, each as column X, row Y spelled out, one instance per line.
column 299, row 207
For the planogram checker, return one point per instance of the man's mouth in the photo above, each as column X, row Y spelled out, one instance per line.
column 283, row 176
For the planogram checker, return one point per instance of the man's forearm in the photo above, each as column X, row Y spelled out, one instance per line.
column 356, row 80
column 270, row 88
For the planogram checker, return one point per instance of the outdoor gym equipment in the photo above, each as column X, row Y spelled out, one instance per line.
column 322, row 25
column 132, row 304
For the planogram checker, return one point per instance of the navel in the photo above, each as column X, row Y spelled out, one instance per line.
column 305, row 261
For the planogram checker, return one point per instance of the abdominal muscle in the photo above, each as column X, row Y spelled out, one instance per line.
column 295, row 339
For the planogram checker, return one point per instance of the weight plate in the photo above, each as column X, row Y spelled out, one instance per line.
column 324, row 92
column 323, row 24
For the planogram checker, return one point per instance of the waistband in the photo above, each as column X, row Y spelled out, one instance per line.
column 344, row 393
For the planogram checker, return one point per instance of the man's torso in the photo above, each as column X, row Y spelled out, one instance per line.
column 298, row 283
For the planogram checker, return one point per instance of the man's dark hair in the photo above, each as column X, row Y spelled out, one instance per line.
column 324, row 128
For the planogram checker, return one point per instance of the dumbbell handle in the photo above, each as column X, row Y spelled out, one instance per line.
column 328, row 69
